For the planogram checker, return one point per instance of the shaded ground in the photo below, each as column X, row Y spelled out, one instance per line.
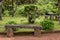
column 49, row 36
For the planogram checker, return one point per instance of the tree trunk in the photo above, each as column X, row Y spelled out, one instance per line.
column 59, row 7
column 12, row 9
column 0, row 14
column 12, row 13
column 0, row 10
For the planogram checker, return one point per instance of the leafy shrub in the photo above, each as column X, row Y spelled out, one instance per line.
column 47, row 25
column 28, row 11
column 19, row 10
column 31, row 11
column 12, row 23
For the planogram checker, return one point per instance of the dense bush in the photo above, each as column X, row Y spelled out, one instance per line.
column 19, row 11
column 31, row 13
column 48, row 6
column 28, row 11
column 45, row 6
column 47, row 25
column 43, row 2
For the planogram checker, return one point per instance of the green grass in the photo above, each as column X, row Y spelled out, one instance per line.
column 56, row 25
column 18, row 20
column 22, row 20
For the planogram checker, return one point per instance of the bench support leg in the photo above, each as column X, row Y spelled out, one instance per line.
column 9, row 32
column 51, row 17
column 37, row 32
column 46, row 16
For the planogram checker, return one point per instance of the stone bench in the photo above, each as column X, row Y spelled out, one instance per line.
column 59, row 19
column 52, row 16
column 10, row 33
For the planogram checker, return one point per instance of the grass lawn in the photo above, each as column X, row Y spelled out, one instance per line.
column 22, row 20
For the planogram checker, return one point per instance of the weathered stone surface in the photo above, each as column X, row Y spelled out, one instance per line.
column 59, row 19
column 46, row 16
column 37, row 32
column 9, row 32
column 51, row 17
column 37, row 29
column 0, row 0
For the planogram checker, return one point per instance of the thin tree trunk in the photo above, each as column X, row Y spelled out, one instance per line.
column 12, row 9
column 1, row 10
column 59, row 9
column 59, row 6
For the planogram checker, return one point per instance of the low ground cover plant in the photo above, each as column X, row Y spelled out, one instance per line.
column 47, row 25
column 12, row 23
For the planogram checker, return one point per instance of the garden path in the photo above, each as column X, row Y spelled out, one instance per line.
column 49, row 36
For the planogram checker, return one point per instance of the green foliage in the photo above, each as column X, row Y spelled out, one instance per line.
column 19, row 10
column 44, row 6
column 31, row 12
column 10, row 6
column 6, row 13
column 47, row 6
column 47, row 25
column 26, row 2
column 30, row 8
column 44, row 2
column 11, row 22
column 28, row 11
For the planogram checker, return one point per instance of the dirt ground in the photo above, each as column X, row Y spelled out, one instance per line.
column 49, row 36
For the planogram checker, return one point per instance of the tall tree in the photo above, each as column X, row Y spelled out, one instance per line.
column 59, row 7
column 1, row 9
